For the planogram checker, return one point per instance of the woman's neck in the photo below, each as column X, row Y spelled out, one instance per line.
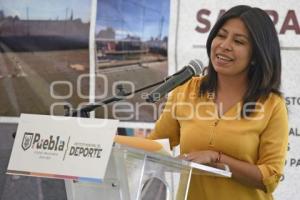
column 232, row 85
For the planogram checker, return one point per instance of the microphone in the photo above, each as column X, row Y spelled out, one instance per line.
column 194, row 67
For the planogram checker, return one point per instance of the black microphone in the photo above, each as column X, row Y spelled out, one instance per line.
column 194, row 67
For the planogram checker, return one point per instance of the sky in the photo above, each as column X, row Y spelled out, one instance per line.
column 143, row 18
column 47, row 9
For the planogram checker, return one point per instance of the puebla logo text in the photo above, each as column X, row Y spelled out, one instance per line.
column 34, row 141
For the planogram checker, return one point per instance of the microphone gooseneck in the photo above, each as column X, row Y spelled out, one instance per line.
column 195, row 67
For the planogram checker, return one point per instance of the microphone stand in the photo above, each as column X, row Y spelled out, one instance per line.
column 84, row 111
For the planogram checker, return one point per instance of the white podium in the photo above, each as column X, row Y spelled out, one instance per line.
column 135, row 174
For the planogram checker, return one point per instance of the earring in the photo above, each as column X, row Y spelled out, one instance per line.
column 252, row 62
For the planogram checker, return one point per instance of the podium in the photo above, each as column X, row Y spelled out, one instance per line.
column 135, row 174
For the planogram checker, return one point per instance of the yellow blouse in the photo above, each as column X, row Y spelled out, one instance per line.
column 260, row 139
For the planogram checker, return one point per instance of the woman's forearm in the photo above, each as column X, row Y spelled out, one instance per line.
column 244, row 172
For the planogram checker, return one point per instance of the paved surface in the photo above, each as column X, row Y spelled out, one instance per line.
column 26, row 80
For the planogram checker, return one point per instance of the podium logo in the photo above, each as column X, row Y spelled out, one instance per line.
column 27, row 140
column 35, row 141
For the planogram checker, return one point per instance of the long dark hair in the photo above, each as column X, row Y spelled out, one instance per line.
column 264, row 76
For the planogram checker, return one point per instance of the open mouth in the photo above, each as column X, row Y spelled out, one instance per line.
column 224, row 58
